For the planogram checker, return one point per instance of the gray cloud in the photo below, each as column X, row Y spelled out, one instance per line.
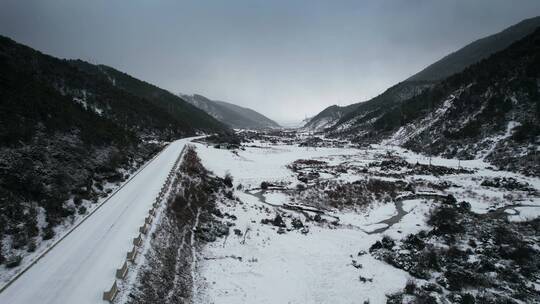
column 285, row 59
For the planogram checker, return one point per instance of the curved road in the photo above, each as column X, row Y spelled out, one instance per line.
column 83, row 265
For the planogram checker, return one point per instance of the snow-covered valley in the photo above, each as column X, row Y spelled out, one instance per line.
column 292, row 244
column 277, row 219
column 402, row 186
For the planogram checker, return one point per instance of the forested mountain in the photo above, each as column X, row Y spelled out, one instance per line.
column 341, row 118
column 490, row 110
column 230, row 114
column 69, row 131
column 183, row 113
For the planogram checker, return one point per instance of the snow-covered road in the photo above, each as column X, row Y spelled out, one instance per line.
column 83, row 265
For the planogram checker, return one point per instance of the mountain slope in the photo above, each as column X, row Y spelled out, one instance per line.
column 476, row 51
column 491, row 110
column 328, row 117
column 181, row 111
column 68, row 134
column 336, row 119
column 346, row 119
column 364, row 113
column 230, row 114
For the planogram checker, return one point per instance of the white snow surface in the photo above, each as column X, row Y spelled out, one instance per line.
column 276, row 198
column 292, row 267
column 316, row 267
column 524, row 214
column 265, row 163
column 82, row 266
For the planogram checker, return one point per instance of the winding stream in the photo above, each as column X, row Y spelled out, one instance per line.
column 389, row 222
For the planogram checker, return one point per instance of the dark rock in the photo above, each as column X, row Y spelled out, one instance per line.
column 297, row 223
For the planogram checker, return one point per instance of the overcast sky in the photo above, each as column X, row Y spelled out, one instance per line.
column 285, row 59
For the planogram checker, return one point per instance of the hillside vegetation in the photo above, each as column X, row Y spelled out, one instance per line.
column 69, row 133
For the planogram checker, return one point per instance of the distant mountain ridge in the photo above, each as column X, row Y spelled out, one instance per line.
column 231, row 114
column 343, row 118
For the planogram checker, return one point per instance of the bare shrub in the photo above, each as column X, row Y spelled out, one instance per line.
column 228, row 180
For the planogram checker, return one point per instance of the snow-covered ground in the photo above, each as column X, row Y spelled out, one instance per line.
column 316, row 267
column 265, row 163
column 323, row 263
column 467, row 186
column 307, row 260
column 83, row 265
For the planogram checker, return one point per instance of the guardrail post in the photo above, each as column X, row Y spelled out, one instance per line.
column 137, row 241
column 111, row 293
column 144, row 229
column 121, row 272
column 132, row 255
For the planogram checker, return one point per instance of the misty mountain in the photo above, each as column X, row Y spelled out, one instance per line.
column 230, row 114
column 67, row 130
column 476, row 51
column 336, row 118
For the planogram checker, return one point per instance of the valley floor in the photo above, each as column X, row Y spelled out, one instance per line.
column 278, row 222
column 306, row 237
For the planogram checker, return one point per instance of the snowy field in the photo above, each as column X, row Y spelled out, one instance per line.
column 327, row 263
column 264, row 163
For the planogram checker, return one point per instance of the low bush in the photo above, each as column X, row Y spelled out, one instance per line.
column 13, row 261
column 228, row 180
column 48, row 232
column 446, row 221
column 191, row 163
column 410, row 286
